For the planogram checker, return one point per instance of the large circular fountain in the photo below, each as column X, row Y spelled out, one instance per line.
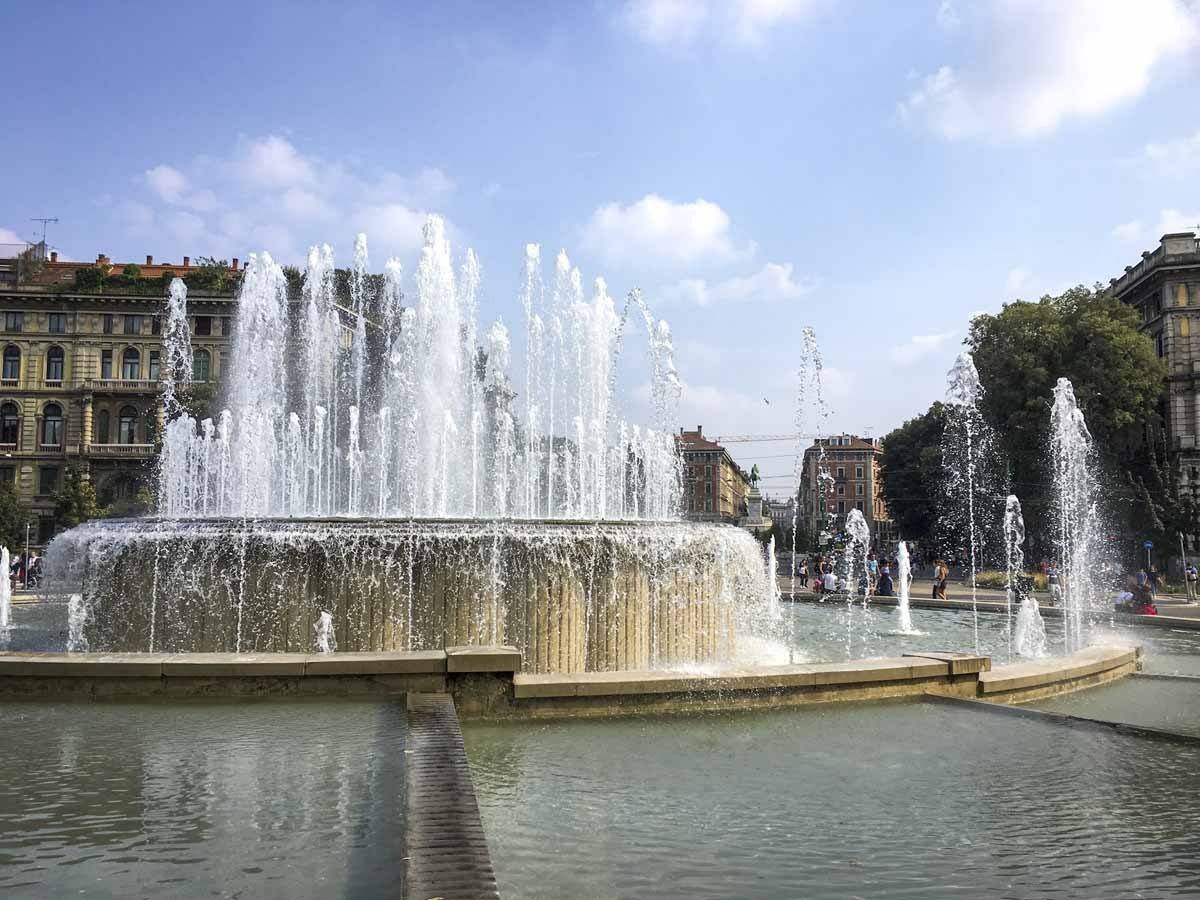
column 377, row 483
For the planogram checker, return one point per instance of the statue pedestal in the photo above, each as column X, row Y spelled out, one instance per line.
column 754, row 519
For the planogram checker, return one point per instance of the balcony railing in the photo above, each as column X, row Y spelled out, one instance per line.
column 130, row 385
column 121, row 450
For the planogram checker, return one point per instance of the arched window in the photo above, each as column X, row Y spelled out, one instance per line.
column 54, row 364
column 131, row 364
column 102, row 427
column 200, row 365
column 12, row 363
column 127, row 425
column 52, row 425
column 10, row 423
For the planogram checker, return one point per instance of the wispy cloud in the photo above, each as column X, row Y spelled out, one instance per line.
column 773, row 283
column 1036, row 65
column 918, row 347
column 654, row 229
column 740, row 23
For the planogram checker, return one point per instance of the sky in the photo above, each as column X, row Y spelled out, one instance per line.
column 877, row 171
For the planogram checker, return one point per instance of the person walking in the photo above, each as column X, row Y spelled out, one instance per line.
column 803, row 573
column 1154, row 578
column 941, row 574
column 1189, row 577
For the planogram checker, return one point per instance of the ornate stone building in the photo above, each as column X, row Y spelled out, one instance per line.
column 853, row 465
column 80, row 381
column 1165, row 289
column 714, row 486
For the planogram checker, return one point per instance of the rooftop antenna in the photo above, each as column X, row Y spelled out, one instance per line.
column 45, row 222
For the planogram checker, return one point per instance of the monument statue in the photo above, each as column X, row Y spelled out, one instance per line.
column 754, row 475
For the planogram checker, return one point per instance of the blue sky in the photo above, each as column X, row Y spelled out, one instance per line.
column 878, row 171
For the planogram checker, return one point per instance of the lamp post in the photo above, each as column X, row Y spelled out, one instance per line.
column 26, row 566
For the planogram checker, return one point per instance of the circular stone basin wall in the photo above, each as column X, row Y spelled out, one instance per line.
column 572, row 596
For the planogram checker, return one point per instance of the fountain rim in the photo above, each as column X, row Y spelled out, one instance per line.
column 385, row 521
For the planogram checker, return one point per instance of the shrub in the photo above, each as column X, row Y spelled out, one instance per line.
column 133, row 270
column 89, row 279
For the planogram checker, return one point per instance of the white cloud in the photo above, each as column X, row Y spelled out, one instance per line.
column 742, row 23
column 772, row 283
column 1037, row 64
column 1133, row 230
column 947, row 15
column 1169, row 221
column 1017, row 280
column 656, row 229
column 8, row 236
column 918, row 347
column 268, row 194
column 1177, row 157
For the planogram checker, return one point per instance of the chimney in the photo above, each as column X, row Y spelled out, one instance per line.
column 187, row 261
column 149, row 260
column 700, row 429
column 235, row 264
column 99, row 258
column 53, row 256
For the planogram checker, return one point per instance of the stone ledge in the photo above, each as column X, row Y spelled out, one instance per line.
column 233, row 664
column 1038, row 673
column 960, row 663
column 413, row 662
column 764, row 678
column 83, row 665
column 465, row 660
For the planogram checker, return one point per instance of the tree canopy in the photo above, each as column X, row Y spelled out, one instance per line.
column 14, row 515
column 911, row 466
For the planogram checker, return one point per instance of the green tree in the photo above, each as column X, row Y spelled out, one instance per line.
column 76, row 502
column 14, row 516
column 911, row 469
column 1091, row 338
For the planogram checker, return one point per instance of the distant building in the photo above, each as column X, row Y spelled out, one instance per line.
column 1165, row 289
column 853, row 482
column 714, row 486
column 779, row 512
column 80, row 384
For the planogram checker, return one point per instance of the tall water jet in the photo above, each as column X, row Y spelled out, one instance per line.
column 1028, row 636
column 967, row 458
column 903, row 583
column 810, row 402
column 5, row 589
column 854, row 570
column 1075, row 515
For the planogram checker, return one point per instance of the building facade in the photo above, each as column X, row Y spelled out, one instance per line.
column 1165, row 289
column 80, row 384
column 714, row 486
column 850, row 481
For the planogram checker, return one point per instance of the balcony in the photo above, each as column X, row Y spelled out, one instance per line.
column 121, row 451
column 121, row 385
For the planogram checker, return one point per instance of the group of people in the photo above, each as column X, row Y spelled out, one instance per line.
column 16, row 570
column 876, row 581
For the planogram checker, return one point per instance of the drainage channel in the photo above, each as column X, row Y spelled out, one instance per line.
column 1064, row 719
column 447, row 852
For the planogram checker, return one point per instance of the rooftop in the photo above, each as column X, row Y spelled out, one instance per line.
column 1177, row 248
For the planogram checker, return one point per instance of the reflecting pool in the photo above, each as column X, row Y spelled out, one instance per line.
column 201, row 799
column 910, row 799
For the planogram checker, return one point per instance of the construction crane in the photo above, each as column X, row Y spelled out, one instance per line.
column 755, row 438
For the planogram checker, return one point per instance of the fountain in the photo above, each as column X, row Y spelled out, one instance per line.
column 5, row 589
column 966, row 453
column 1076, row 520
column 371, row 467
column 1028, row 636
column 903, row 583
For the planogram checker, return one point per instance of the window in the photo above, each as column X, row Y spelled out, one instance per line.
column 708, row 488
column 150, row 427
column 106, row 364
column 841, row 506
column 154, row 365
column 708, row 506
column 858, row 490
column 13, row 321
column 841, row 490
column 841, row 471
column 203, row 325
column 12, row 363
column 200, row 363
column 131, row 364
column 691, row 504
column 156, row 324
column 1158, row 344
column 46, row 524
column 108, row 323
column 8, row 476
column 56, row 323
column 133, row 324
column 127, row 426
column 858, row 504
column 708, row 471
column 10, row 423
column 54, row 364
column 52, row 426
column 226, row 326
column 102, row 427
column 858, row 471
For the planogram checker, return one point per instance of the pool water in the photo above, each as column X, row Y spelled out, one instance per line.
column 256, row 798
column 1168, row 704
column 906, row 799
